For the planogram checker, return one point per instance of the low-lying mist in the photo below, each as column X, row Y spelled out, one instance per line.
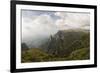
column 38, row 26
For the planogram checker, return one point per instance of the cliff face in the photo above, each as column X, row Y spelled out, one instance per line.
column 64, row 42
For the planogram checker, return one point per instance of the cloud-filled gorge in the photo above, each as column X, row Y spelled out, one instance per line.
column 40, row 25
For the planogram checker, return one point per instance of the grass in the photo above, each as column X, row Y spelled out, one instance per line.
column 38, row 55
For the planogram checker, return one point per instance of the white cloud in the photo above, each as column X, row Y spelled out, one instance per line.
column 37, row 28
column 72, row 20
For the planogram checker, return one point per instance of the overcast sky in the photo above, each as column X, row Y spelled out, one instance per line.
column 46, row 23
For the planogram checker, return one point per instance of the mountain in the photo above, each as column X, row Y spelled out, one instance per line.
column 66, row 41
column 63, row 46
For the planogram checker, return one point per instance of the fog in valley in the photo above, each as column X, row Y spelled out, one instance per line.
column 38, row 26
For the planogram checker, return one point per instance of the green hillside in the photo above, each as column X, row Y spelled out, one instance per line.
column 80, row 54
column 64, row 45
column 64, row 42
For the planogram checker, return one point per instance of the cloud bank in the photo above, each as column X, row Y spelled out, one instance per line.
column 40, row 25
column 73, row 20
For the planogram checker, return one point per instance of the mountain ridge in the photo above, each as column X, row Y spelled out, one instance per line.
column 64, row 45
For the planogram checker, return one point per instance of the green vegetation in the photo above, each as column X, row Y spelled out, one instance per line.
column 80, row 54
column 34, row 55
column 63, row 46
column 37, row 55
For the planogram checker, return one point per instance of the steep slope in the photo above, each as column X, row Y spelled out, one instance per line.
column 63, row 46
column 80, row 54
column 66, row 41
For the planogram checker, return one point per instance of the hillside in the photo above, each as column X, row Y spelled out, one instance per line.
column 64, row 42
column 64, row 45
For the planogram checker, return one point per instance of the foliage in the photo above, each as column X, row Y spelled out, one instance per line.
column 65, row 45
column 80, row 54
